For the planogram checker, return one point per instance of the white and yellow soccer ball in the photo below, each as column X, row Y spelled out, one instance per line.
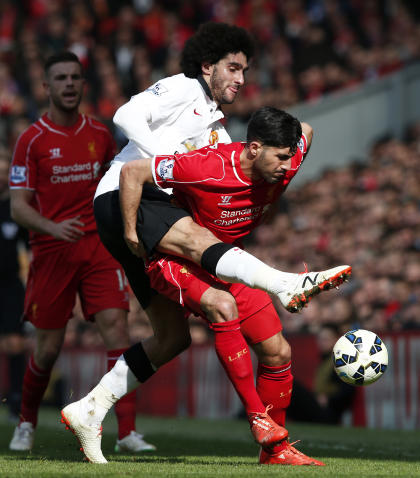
column 360, row 357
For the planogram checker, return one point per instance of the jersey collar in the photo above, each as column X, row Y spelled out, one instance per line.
column 205, row 86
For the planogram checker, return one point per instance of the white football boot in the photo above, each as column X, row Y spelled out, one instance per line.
column 309, row 284
column 89, row 436
column 23, row 437
column 133, row 443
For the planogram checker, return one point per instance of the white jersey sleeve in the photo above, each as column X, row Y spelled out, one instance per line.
column 145, row 111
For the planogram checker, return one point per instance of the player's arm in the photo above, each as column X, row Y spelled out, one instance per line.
column 133, row 120
column 27, row 216
column 308, row 132
column 133, row 176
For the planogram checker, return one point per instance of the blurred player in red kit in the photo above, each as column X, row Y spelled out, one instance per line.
column 57, row 164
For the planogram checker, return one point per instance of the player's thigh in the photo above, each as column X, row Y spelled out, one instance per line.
column 103, row 284
column 51, row 288
column 154, row 219
column 110, row 229
column 187, row 239
column 263, row 323
column 181, row 281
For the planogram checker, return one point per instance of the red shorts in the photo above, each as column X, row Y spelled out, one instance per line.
column 57, row 274
column 185, row 283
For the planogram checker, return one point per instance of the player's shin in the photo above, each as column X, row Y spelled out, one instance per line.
column 235, row 265
column 274, row 386
column 125, row 408
column 233, row 353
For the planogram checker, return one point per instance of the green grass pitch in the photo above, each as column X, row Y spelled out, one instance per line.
column 211, row 448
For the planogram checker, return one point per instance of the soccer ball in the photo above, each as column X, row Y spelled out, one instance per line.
column 360, row 357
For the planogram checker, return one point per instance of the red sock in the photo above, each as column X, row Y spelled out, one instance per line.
column 125, row 408
column 233, row 353
column 35, row 382
column 274, row 386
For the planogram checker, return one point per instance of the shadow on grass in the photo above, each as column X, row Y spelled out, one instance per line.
column 322, row 443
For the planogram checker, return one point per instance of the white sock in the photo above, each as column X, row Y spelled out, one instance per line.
column 119, row 381
column 237, row 265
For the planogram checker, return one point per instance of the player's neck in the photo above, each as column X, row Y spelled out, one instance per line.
column 247, row 165
column 63, row 118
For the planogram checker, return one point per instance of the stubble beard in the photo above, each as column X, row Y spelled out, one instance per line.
column 216, row 86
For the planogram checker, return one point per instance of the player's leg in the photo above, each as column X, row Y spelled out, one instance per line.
column 48, row 343
column 274, row 380
column 136, row 365
column 51, row 275
column 104, row 295
column 187, row 239
column 186, row 283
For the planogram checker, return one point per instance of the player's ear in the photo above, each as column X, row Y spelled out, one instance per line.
column 255, row 148
column 206, row 68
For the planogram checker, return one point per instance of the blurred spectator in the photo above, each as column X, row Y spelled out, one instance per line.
column 306, row 49
column 330, row 396
column 13, row 243
column 368, row 215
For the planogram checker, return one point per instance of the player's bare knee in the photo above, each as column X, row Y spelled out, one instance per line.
column 219, row 306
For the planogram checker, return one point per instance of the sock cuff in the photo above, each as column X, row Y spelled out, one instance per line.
column 277, row 372
column 138, row 362
column 226, row 326
column 212, row 254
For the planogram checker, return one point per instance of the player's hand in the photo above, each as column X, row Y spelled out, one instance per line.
column 68, row 230
column 135, row 246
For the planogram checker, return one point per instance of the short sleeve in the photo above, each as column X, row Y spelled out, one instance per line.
column 23, row 171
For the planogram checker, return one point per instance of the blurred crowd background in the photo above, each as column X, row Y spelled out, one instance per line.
column 366, row 214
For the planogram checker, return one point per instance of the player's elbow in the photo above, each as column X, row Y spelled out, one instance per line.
column 308, row 131
column 118, row 117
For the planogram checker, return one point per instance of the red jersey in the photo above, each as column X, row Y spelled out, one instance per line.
column 63, row 165
column 210, row 183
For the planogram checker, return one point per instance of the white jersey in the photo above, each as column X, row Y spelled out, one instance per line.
column 175, row 115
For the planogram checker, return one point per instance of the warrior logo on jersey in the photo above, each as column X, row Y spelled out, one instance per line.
column 214, row 138
column 55, row 153
column 18, row 174
column 92, row 150
column 166, row 169
column 157, row 89
column 224, row 200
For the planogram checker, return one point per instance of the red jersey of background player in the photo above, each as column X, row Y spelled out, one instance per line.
column 210, row 183
column 63, row 165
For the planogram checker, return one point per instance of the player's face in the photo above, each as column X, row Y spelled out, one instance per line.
column 273, row 163
column 64, row 85
column 227, row 77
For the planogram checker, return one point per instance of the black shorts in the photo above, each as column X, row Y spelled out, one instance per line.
column 156, row 215
column 12, row 296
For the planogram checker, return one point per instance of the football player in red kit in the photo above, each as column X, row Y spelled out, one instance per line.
column 57, row 164
column 228, row 189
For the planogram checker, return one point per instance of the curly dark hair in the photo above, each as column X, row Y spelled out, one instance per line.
column 212, row 42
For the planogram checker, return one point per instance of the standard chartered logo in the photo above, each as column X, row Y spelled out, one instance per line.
column 74, row 173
